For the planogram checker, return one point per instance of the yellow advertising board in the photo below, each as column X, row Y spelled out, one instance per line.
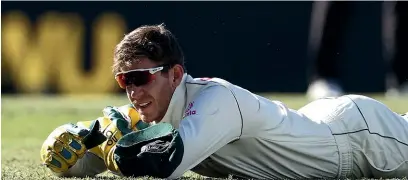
column 51, row 50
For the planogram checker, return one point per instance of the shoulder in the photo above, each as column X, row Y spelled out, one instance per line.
column 206, row 84
column 209, row 90
column 209, row 98
column 207, row 81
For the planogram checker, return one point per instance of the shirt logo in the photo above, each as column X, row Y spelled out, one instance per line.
column 189, row 111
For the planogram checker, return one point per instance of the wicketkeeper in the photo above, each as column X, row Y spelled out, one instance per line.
column 176, row 123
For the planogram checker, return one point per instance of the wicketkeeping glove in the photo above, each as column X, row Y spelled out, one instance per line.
column 68, row 143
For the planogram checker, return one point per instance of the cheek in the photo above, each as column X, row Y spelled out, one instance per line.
column 162, row 94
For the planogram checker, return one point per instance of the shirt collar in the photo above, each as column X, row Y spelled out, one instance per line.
column 177, row 104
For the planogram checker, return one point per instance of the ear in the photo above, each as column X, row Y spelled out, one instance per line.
column 177, row 75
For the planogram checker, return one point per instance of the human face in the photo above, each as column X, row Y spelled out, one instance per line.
column 151, row 96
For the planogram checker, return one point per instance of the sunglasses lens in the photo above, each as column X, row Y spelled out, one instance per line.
column 137, row 78
column 121, row 82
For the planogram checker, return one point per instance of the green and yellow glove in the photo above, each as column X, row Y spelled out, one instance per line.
column 68, row 143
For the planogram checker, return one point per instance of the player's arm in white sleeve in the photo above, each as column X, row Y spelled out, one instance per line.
column 88, row 166
column 216, row 122
column 163, row 151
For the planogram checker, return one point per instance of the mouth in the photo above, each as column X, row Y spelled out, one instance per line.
column 142, row 106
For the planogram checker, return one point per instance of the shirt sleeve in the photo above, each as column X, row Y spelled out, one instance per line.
column 212, row 120
column 89, row 165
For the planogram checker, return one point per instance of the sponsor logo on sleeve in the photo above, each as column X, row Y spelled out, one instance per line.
column 190, row 111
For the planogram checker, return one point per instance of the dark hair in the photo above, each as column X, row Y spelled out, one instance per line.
column 152, row 41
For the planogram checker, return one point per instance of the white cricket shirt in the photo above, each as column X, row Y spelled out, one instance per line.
column 229, row 130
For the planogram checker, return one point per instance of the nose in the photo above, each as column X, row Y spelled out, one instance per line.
column 135, row 92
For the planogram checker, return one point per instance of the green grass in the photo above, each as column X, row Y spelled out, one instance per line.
column 27, row 120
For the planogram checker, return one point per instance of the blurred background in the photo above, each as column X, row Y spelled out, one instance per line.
column 318, row 48
column 57, row 56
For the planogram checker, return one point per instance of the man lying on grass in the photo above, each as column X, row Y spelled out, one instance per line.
column 176, row 123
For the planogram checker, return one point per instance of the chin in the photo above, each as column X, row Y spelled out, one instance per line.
column 147, row 119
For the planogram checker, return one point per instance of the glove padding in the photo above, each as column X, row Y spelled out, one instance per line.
column 68, row 143
column 114, row 131
column 155, row 151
